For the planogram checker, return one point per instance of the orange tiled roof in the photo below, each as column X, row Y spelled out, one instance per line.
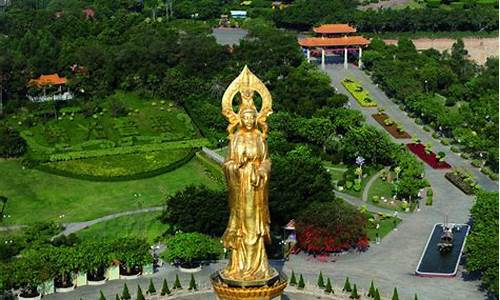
column 340, row 41
column 53, row 79
column 334, row 28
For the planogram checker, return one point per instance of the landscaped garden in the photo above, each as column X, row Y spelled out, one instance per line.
column 463, row 180
column 396, row 130
column 358, row 92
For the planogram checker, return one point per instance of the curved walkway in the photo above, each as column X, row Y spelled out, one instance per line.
column 70, row 228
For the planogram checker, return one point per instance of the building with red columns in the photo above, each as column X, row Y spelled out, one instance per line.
column 334, row 40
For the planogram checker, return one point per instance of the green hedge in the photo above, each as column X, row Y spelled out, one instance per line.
column 195, row 143
column 212, row 166
column 141, row 175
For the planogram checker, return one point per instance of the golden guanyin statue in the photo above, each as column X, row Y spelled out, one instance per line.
column 247, row 168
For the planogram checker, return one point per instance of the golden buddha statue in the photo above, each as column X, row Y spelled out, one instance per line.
column 247, row 168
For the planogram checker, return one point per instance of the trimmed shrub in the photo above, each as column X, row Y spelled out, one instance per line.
column 151, row 287
column 125, row 292
column 454, row 149
column 354, row 293
column 328, row 287
column 371, row 290
column 419, row 121
column 377, row 295
column 375, row 199
column 164, row 288
column 140, row 296
column 430, row 192
column 465, row 155
column 347, row 285
column 177, row 283
column 428, row 201
column 321, row 282
column 293, row 280
column 301, row 284
column 395, row 295
column 476, row 163
column 192, row 284
column 101, row 296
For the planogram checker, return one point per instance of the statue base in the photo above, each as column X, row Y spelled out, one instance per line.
column 265, row 289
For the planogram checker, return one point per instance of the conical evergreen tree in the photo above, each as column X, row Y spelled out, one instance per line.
column 371, row 291
column 293, row 280
column 151, row 287
column 101, row 296
column 328, row 287
column 395, row 295
column 192, row 284
column 416, row 298
column 347, row 285
column 125, row 292
column 354, row 293
column 377, row 295
column 164, row 288
column 321, row 282
column 116, row 297
column 301, row 282
column 177, row 283
column 140, row 296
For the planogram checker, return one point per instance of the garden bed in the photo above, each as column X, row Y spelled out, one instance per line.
column 358, row 92
column 430, row 159
column 459, row 180
column 392, row 128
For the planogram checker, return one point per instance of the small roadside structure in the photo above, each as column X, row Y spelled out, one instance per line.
column 332, row 41
column 239, row 14
column 52, row 88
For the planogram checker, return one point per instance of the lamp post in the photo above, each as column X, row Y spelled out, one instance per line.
column 426, row 90
column 360, row 161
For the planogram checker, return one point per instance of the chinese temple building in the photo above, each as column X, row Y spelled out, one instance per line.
column 332, row 41
column 52, row 87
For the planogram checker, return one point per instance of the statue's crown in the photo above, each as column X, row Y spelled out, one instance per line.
column 246, row 86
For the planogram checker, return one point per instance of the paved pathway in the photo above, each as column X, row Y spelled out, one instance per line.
column 229, row 36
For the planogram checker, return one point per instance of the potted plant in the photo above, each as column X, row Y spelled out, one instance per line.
column 132, row 253
column 95, row 258
column 187, row 250
column 31, row 270
column 65, row 262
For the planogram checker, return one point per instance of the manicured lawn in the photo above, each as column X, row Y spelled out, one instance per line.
column 386, row 226
column 335, row 170
column 381, row 188
column 144, row 225
column 35, row 195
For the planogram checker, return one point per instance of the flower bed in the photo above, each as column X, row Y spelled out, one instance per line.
column 461, row 181
column 358, row 92
column 392, row 128
column 430, row 159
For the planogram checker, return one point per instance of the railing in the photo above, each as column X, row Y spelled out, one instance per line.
column 58, row 97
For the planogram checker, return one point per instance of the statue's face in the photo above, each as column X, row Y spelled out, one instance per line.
column 248, row 120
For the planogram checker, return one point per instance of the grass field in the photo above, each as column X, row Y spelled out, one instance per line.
column 386, row 226
column 141, row 226
column 380, row 188
column 364, row 180
column 36, row 196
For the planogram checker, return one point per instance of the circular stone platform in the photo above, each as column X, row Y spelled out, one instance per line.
column 267, row 291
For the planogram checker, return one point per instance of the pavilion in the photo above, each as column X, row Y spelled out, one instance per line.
column 334, row 40
column 50, row 82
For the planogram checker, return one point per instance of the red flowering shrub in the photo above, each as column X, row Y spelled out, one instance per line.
column 430, row 158
column 331, row 227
